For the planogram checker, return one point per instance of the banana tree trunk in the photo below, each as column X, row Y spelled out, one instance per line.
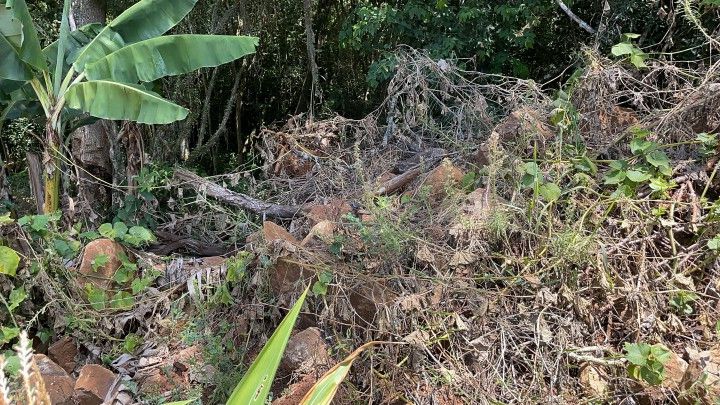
column 51, row 159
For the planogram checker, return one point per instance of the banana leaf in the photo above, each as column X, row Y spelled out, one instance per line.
column 169, row 55
column 144, row 20
column 76, row 41
column 11, row 66
column 27, row 45
column 10, row 27
column 120, row 101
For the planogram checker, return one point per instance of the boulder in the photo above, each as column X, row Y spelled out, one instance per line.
column 63, row 353
column 93, row 384
column 173, row 372
column 58, row 384
column 333, row 211
column 675, row 369
column 594, row 381
column 101, row 278
column 443, row 178
column 306, row 350
column 524, row 123
column 273, row 232
column 366, row 297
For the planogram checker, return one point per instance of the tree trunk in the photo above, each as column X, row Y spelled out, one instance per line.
column 83, row 12
column 90, row 144
column 51, row 160
column 312, row 63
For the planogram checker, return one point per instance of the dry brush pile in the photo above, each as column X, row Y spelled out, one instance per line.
column 515, row 240
column 515, row 246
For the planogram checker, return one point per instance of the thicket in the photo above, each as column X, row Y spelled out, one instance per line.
column 355, row 44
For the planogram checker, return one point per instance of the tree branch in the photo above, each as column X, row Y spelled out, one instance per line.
column 575, row 18
column 237, row 199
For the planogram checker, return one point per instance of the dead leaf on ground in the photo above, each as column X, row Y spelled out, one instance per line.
column 462, row 258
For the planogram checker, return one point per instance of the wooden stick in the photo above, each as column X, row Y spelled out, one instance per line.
column 237, row 199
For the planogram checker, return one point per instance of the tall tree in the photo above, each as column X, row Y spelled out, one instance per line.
column 91, row 146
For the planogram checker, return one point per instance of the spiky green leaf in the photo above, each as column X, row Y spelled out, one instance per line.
column 254, row 387
column 118, row 101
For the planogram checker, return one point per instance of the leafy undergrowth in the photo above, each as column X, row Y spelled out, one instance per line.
column 540, row 248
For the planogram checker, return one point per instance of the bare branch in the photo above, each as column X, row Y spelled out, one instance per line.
column 575, row 18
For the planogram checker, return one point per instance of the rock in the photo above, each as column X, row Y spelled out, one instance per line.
column 443, row 178
column 675, row 369
column 273, row 232
column 58, row 383
column 701, row 381
column 156, row 382
column 93, row 384
column 287, row 276
column 366, row 296
column 305, row 350
column 295, row 392
column 332, row 211
column 323, row 230
column 523, row 123
column 594, row 381
column 63, row 353
column 174, row 372
column 101, row 278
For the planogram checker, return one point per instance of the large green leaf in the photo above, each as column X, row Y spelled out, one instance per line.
column 169, row 56
column 11, row 66
column 76, row 41
column 119, row 101
column 9, row 261
column 10, row 27
column 28, row 46
column 144, row 20
column 255, row 385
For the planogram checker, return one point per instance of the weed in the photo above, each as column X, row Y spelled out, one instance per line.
column 647, row 362
column 681, row 302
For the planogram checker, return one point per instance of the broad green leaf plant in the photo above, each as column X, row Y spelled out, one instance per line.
column 100, row 71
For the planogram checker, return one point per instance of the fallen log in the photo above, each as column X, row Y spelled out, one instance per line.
column 230, row 197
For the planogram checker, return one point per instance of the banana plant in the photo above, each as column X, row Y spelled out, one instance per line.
column 100, row 71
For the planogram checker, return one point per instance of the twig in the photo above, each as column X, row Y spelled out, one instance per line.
column 575, row 18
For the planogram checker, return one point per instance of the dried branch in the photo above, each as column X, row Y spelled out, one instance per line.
column 575, row 18
column 237, row 199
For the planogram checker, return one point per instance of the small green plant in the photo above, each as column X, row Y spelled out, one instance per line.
column 131, row 342
column 647, row 362
column 534, row 179
column 682, row 302
column 709, row 143
column 648, row 165
column 135, row 236
column 8, row 333
column 320, row 287
column 9, row 261
column 627, row 49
